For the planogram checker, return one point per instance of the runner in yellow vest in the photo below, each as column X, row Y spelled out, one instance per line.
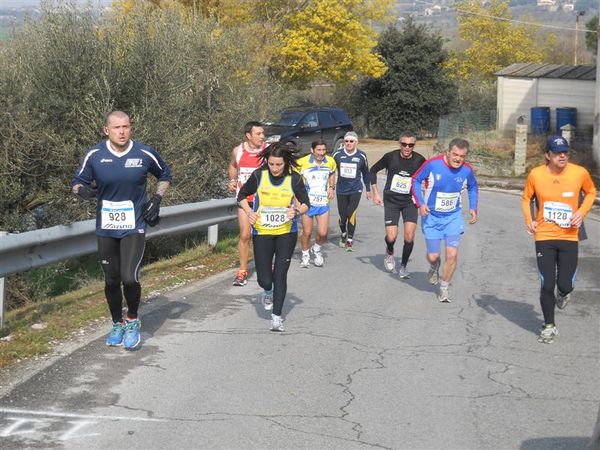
column 276, row 188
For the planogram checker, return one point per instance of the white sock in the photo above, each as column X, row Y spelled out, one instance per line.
column 305, row 253
column 316, row 248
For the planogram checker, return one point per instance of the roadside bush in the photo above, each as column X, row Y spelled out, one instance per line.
column 188, row 84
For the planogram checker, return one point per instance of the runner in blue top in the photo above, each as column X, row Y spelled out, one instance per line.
column 352, row 165
column 119, row 168
column 443, row 179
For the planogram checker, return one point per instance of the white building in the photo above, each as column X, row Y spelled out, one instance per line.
column 527, row 85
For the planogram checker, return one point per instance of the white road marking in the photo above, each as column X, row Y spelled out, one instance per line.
column 76, row 427
column 29, row 412
column 12, row 430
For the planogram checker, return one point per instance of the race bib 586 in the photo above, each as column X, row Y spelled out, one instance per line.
column 446, row 201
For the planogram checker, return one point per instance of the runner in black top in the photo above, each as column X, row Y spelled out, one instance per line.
column 401, row 164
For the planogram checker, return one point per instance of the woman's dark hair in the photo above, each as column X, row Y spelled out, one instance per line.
column 286, row 151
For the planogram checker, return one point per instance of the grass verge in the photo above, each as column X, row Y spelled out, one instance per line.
column 59, row 317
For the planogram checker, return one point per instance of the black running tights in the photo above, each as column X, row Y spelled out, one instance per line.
column 557, row 263
column 347, row 206
column 273, row 275
column 121, row 259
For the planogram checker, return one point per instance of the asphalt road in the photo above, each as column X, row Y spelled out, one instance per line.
column 366, row 361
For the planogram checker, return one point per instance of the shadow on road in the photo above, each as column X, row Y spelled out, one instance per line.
column 166, row 310
column 555, row 443
column 519, row 313
column 256, row 300
column 377, row 261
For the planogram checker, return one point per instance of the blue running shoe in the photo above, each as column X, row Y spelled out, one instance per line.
column 115, row 337
column 132, row 334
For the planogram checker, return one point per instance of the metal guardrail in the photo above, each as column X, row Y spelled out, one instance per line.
column 37, row 248
column 24, row 251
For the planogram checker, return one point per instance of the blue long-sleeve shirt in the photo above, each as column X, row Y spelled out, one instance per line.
column 121, row 181
column 439, row 186
column 350, row 170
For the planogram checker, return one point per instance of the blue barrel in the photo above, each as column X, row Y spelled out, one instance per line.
column 540, row 120
column 565, row 116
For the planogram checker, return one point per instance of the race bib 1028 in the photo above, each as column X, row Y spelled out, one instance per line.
column 273, row 216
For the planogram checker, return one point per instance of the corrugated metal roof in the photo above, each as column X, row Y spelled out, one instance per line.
column 532, row 70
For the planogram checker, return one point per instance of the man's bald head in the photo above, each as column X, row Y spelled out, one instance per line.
column 116, row 114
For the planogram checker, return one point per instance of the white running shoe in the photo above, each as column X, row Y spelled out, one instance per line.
column 276, row 323
column 562, row 300
column 319, row 259
column 403, row 273
column 305, row 261
column 444, row 295
column 389, row 262
column 547, row 334
column 434, row 275
column 267, row 300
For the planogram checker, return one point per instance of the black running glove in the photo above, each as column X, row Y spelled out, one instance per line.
column 86, row 192
column 152, row 211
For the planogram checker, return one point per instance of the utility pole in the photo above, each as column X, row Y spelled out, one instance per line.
column 596, row 143
column 578, row 14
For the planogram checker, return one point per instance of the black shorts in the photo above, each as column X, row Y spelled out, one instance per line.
column 392, row 213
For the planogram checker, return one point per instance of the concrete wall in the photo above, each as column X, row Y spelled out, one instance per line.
column 516, row 97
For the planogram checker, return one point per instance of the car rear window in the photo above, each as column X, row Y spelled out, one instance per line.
column 340, row 116
column 286, row 119
column 325, row 119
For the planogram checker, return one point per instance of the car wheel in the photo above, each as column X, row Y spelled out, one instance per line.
column 338, row 144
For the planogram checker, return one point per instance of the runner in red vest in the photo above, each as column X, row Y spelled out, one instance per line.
column 245, row 159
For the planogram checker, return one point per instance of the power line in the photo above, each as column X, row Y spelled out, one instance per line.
column 581, row 30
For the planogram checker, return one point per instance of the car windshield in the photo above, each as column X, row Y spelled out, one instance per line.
column 287, row 119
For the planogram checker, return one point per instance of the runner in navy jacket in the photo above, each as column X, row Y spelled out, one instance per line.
column 119, row 167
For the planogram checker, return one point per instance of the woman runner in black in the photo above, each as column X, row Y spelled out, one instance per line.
column 276, row 188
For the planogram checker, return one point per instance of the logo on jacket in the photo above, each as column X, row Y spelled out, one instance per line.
column 105, row 160
column 133, row 162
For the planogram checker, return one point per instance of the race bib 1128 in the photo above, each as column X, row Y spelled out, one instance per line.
column 559, row 213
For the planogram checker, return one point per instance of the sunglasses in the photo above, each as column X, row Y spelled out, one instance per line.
column 407, row 144
column 349, row 140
